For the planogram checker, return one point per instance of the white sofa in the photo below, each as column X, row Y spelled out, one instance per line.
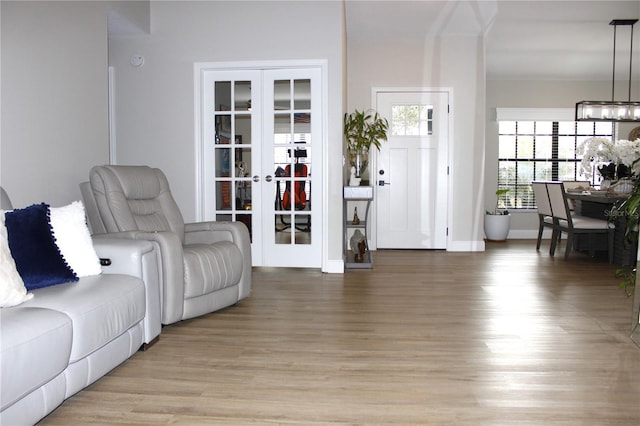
column 69, row 335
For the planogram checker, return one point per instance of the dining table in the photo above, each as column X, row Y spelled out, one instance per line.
column 600, row 204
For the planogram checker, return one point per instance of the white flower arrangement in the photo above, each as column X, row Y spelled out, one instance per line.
column 601, row 151
column 627, row 153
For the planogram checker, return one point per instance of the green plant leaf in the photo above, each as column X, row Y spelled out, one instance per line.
column 364, row 129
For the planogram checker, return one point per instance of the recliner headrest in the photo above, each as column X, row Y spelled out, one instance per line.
column 138, row 182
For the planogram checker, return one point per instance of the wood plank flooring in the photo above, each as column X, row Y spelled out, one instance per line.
column 509, row 336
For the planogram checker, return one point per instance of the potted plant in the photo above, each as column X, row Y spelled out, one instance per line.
column 630, row 210
column 497, row 222
column 363, row 129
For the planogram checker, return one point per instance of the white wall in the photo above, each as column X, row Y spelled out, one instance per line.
column 54, row 98
column 455, row 62
column 129, row 17
column 536, row 94
column 155, row 103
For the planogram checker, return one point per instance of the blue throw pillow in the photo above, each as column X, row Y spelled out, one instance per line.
column 38, row 259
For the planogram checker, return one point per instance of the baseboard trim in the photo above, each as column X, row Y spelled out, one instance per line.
column 475, row 245
column 333, row 267
column 146, row 346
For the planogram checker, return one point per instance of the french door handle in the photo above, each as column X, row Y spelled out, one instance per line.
column 268, row 178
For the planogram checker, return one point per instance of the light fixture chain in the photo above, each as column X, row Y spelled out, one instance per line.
column 630, row 63
column 613, row 79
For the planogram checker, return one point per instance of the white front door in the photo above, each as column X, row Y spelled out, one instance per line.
column 262, row 156
column 411, row 177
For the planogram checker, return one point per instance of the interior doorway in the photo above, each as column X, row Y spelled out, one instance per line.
column 262, row 157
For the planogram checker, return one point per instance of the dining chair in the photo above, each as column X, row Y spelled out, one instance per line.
column 545, row 215
column 574, row 224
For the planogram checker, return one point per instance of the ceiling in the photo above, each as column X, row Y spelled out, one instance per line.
column 525, row 39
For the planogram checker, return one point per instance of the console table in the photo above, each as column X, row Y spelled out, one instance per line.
column 356, row 193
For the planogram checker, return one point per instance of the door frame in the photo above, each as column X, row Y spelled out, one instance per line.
column 199, row 70
column 373, row 156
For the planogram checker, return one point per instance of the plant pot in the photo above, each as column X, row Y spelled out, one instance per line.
column 623, row 186
column 496, row 226
column 360, row 160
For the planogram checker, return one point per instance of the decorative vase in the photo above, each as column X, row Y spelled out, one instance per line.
column 360, row 160
column 496, row 226
column 358, row 245
column 623, row 186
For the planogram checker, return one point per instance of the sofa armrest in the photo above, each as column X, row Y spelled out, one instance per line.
column 171, row 270
column 139, row 259
column 235, row 232
column 125, row 255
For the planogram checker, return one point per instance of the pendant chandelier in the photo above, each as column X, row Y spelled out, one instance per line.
column 612, row 110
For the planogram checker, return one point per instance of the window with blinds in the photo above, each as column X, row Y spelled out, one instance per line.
column 541, row 150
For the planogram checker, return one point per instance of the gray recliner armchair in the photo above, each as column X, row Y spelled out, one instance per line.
column 205, row 266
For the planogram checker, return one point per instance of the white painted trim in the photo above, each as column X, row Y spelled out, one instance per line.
column 333, row 267
column 0, row 102
column 327, row 265
column 528, row 234
column 451, row 161
column 260, row 65
column 535, row 114
column 374, row 159
column 112, row 116
column 198, row 72
column 466, row 246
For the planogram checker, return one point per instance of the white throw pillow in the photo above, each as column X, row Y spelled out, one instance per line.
column 74, row 240
column 12, row 289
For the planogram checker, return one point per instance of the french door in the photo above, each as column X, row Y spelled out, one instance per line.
column 262, row 155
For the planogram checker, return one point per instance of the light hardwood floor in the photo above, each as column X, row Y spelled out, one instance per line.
column 509, row 336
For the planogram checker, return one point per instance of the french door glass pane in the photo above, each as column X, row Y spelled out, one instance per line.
column 243, row 195
column 222, row 95
column 243, row 162
column 242, row 96
column 224, row 195
column 232, row 149
column 291, row 161
column 223, row 162
column 282, row 94
column 302, row 94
